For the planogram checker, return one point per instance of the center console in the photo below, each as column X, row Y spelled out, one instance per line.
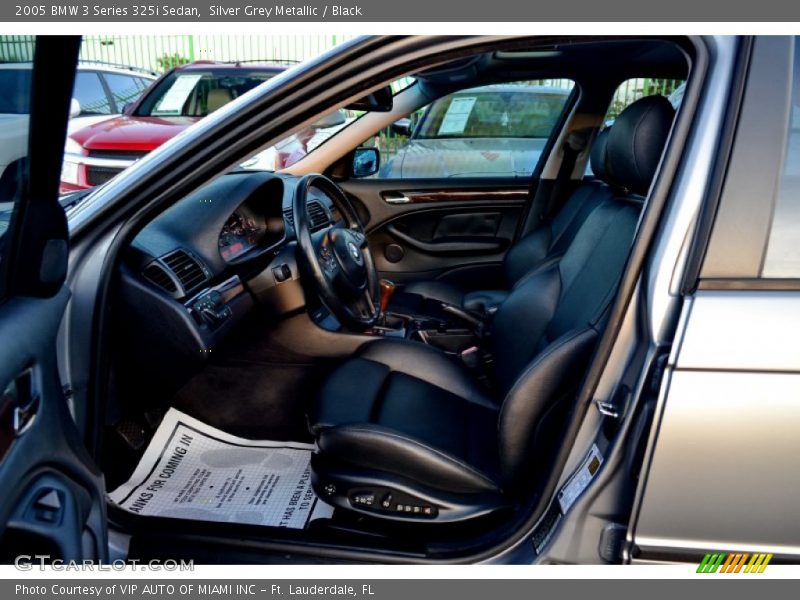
column 449, row 333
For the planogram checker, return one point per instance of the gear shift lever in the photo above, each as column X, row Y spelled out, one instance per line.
column 387, row 290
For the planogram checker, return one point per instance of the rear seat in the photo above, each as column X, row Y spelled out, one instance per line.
column 539, row 247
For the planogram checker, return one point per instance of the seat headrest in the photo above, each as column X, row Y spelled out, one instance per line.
column 217, row 98
column 599, row 155
column 636, row 141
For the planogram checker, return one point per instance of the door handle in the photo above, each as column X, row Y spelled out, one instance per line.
column 25, row 415
column 454, row 246
column 20, row 404
column 396, row 199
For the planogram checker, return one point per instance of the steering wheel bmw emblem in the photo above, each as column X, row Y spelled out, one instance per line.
column 354, row 252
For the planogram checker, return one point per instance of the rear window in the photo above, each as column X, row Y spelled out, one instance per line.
column 124, row 89
column 197, row 93
column 15, row 87
column 524, row 112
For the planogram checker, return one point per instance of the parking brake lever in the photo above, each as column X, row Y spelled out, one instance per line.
column 477, row 324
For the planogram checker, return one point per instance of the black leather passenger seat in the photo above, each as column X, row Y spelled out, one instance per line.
column 405, row 432
column 544, row 243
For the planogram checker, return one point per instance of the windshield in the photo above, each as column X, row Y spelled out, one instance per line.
column 14, row 91
column 298, row 145
column 196, row 93
column 292, row 148
column 518, row 113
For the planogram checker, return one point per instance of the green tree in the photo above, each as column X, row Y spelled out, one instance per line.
column 169, row 61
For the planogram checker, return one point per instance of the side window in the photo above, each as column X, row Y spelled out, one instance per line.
column 782, row 259
column 91, row 95
column 15, row 97
column 490, row 131
column 124, row 89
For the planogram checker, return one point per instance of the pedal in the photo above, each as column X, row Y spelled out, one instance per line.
column 132, row 434
column 154, row 417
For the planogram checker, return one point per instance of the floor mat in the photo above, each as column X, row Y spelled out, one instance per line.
column 251, row 400
column 191, row 470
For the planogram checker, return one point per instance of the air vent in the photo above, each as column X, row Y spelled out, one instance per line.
column 156, row 274
column 186, row 268
column 317, row 216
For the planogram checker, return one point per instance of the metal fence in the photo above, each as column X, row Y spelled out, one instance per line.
column 634, row 89
column 158, row 53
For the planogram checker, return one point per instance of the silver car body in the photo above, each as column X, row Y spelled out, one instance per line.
column 722, row 462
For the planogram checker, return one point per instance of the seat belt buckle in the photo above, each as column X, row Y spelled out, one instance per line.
column 471, row 357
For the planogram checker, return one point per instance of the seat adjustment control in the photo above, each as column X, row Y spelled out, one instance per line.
column 391, row 502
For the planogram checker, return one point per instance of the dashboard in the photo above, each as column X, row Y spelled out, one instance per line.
column 200, row 267
column 233, row 225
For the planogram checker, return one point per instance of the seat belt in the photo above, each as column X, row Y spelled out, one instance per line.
column 544, row 205
column 575, row 143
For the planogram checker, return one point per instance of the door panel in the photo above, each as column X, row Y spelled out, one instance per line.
column 454, row 230
column 723, row 468
column 723, row 474
column 53, row 500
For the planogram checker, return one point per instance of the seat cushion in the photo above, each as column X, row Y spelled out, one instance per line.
column 399, row 402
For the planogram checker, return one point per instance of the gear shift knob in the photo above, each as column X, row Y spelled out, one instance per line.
column 387, row 289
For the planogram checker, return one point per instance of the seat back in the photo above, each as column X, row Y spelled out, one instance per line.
column 545, row 332
column 554, row 237
column 217, row 98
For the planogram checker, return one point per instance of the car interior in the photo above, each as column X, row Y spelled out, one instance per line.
column 427, row 336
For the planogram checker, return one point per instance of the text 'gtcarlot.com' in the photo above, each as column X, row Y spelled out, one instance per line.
column 27, row 562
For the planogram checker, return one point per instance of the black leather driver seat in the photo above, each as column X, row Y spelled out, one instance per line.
column 547, row 241
column 406, row 432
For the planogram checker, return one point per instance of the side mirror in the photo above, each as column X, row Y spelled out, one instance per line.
column 401, row 127
column 126, row 108
column 366, row 162
column 74, row 108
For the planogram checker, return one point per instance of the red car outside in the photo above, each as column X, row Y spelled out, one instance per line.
column 180, row 98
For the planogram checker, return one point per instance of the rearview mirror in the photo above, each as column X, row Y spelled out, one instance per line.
column 74, row 108
column 381, row 100
column 333, row 119
column 366, row 162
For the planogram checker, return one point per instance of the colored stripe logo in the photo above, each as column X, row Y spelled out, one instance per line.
column 734, row 563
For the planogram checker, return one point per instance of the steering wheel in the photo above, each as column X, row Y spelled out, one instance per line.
column 337, row 257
